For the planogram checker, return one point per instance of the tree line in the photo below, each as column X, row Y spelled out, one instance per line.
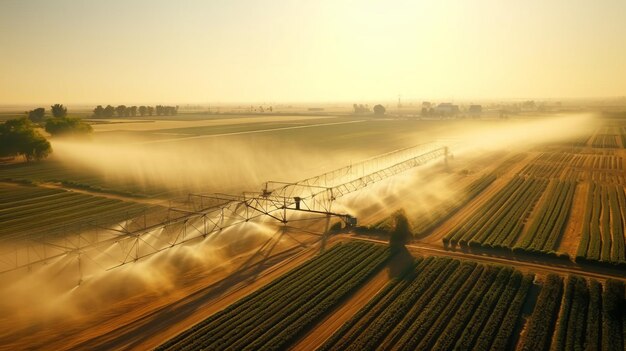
column 18, row 137
column 132, row 111
column 38, row 115
column 21, row 137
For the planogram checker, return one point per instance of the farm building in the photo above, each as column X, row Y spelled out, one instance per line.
column 446, row 109
column 475, row 110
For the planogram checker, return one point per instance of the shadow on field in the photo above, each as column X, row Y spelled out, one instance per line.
column 401, row 260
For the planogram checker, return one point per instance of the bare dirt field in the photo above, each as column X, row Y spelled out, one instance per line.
column 119, row 124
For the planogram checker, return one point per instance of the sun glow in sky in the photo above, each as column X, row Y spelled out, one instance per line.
column 136, row 51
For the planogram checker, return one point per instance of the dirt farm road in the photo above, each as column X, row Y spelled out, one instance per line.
column 544, row 265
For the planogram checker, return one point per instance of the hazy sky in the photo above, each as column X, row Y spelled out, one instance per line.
column 134, row 51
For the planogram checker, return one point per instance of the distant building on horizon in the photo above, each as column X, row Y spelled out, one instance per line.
column 475, row 110
column 447, row 109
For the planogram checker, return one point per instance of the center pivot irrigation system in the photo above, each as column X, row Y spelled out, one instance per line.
column 201, row 216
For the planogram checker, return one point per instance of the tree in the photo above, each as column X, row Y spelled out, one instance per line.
column 379, row 110
column 150, row 110
column 401, row 233
column 58, row 110
column 143, row 110
column 163, row 110
column 98, row 111
column 120, row 110
column 36, row 115
column 67, row 126
column 360, row 108
column 133, row 111
column 109, row 111
column 19, row 137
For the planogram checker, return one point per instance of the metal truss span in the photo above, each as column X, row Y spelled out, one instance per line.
column 202, row 215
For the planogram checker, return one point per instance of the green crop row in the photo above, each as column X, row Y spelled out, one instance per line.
column 443, row 319
column 555, row 157
column 445, row 304
column 483, row 313
column 421, row 325
column 506, row 328
column 541, row 323
column 500, row 311
column 508, row 163
column 499, row 222
column 541, row 170
column 603, row 226
column 594, row 316
column 483, row 213
column 613, row 315
column 605, row 141
column 589, row 317
column 544, row 233
column 572, row 320
column 549, row 165
column 320, row 262
column 607, row 162
column 361, row 320
column 617, row 225
column 274, row 309
column 394, row 304
column 415, row 296
column 277, row 315
column 459, row 320
column 424, row 223
column 29, row 211
column 577, row 322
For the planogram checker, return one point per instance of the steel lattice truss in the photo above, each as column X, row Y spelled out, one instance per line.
column 143, row 235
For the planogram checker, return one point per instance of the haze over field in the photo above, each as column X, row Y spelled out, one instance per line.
column 312, row 175
column 145, row 51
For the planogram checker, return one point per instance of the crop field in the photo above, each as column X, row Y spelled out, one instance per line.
column 607, row 137
column 578, row 314
column 556, row 202
column 610, row 162
column 603, row 225
column 276, row 315
column 548, row 165
column 500, row 221
column 29, row 211
column 436, row 304
column 71, row 177
column 426, row 221
column 440, row 304
column 534, row 211
column 544, row 233
column 312, row 175
column 581, row 141
column 605, row 141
